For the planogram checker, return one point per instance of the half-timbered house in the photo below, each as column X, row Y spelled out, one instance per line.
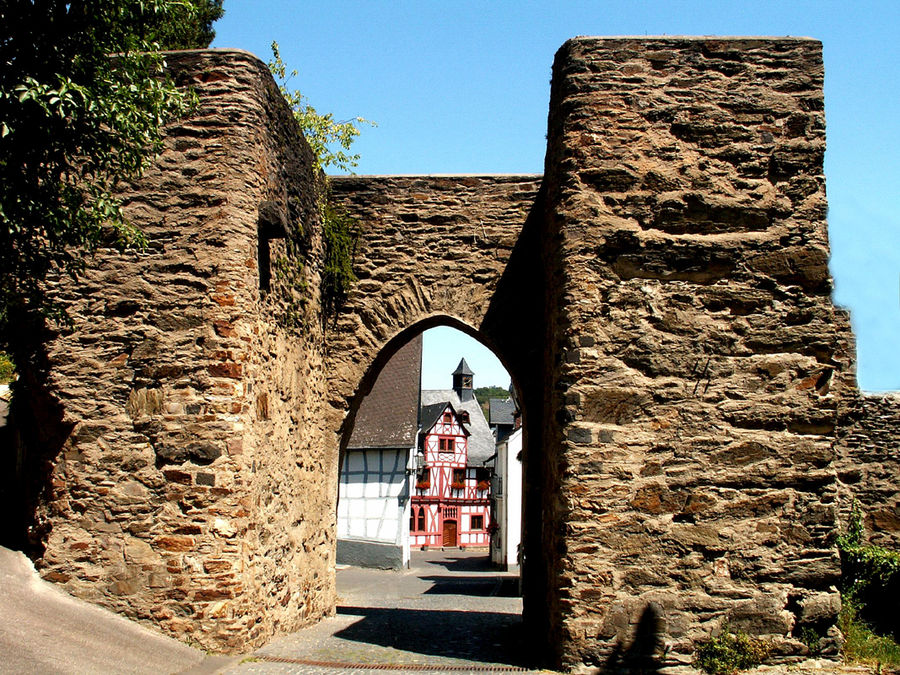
column 373, row 493
column 451, row 499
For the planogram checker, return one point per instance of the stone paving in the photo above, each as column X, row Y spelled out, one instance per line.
column 448, row 613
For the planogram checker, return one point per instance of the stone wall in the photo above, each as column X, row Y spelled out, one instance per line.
column 696, row 362
column 454, row 250
column 869, row 465
column 661, row 299
column 186, row 481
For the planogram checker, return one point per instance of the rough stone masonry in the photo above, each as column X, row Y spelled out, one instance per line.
column 661, row 298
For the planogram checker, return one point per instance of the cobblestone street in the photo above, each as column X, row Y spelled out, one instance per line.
column 449, row 612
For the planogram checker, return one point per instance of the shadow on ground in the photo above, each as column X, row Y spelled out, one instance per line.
column 502, row 587
column 477, row 563
column 488, row 637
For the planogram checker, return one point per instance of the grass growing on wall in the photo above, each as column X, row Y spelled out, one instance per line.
column 730, row 652
column 861, row 643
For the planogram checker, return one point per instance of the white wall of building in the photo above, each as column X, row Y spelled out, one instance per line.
column 373, row 497
column 508, row 502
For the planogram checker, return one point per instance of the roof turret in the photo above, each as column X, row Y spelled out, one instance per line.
column 462, row 381
column 463, row 368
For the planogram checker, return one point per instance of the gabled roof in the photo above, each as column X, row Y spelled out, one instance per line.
column 388, row 415
column 462, row 368
column 481, row 440
column 501, row 411
column 432, row 413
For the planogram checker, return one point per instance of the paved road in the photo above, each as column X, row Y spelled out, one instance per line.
column 448, row 613
column 45, row 630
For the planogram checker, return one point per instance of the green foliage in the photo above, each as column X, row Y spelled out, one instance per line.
column 861, row 643
column 7, row 368
column 494, row 391
column 329, row 139
column 871, row 565
column 870, row 578
column 340, row 233
column 187, row 25
column 730, row 652
column 810, row 637
column 853, row 535
column 74, row 123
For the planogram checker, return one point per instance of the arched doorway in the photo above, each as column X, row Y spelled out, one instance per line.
column 444, row 503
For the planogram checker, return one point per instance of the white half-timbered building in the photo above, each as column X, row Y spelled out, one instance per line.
column 450, row 505
column 374, row 488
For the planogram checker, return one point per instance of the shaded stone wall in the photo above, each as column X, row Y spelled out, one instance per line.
column 185, row 481
column 696, row 362
column 869, row 465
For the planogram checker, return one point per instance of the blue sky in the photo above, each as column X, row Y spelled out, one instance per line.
column 442, row 349
column 463, row 87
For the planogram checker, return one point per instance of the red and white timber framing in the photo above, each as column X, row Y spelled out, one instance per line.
column 451, row 510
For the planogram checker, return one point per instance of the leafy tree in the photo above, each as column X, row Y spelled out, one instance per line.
column 187, row 24
column 329, row 139
column 83, row 98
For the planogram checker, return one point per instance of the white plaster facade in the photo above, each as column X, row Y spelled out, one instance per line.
column 373, row 498
column 506, row 493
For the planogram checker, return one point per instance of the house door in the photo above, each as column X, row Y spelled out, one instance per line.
column 449, row 533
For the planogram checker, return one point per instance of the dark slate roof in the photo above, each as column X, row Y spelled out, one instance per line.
column 500, row 411
column 429, row 414
column 462, row 368
column 481, row 440
column 432, row 413
column 388, row 415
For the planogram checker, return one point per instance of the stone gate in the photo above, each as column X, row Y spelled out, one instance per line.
column 660, row 296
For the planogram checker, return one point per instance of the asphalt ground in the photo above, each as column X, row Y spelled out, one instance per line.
column 45, row 630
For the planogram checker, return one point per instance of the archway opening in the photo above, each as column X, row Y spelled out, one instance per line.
column 425, row 536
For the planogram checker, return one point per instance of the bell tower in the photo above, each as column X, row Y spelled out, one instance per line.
column 462, row 381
